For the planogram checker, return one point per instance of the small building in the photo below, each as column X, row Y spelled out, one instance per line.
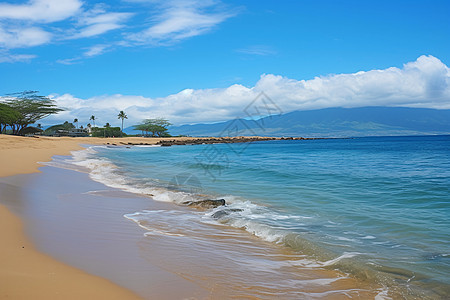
column 74, row 132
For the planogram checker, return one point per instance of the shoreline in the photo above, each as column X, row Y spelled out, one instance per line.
column 83, row 225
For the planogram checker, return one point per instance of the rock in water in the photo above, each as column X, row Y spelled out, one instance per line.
column 225, row 212
column 206, row 203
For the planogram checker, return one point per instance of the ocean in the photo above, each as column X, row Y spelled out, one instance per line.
column 376, row 208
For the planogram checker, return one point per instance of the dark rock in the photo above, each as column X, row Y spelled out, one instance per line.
column 200, row 141
column 225, row 212
column 206, row 203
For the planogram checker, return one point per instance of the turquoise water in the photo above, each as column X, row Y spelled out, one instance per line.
column 374, row 207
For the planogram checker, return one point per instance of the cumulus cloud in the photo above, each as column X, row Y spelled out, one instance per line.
column 422, row 83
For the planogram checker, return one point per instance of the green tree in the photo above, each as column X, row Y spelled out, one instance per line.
column 66, row 126
column 8, row 116
column 76, row 122
column 30, row 130
column 93, row 119
column 157, row 127
column 31, row 107
column 122, row 116
column 107, row 131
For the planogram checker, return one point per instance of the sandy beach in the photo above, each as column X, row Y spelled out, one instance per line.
column 26, row 273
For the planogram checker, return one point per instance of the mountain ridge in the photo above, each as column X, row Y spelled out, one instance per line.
column 331, row 122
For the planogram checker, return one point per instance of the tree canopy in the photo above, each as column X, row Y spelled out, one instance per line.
column 66, row 126
column 107, row 131
column 30, row 106
column 157, row 127
column 8, row 116
column 93, row 119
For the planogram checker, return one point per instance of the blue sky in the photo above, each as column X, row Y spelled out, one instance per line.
column 191, row 60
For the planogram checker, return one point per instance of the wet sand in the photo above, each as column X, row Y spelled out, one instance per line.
column 80, row 223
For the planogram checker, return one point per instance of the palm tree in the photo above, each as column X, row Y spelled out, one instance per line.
column 122, row 116
column 93, row 119
column 89, row 129
column 107, row 126
column 76, row 121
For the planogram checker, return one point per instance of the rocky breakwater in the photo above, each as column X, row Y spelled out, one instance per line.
column 214, row 140
column 167, row 142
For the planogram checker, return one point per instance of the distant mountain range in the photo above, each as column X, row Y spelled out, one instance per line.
column 331, row 122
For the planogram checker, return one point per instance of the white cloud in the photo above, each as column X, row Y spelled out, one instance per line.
column 12, row 58
column 90, row 52
column 96, row 29
column 40, row 10
column 38, row 22
column 181, row 19
column 21, row 29
column 97, row 21
column 422, row 83
column 23, row 37
column 69, row 61
column 95, row 50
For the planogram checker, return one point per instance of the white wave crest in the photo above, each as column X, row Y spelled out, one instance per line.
column 307, row 263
